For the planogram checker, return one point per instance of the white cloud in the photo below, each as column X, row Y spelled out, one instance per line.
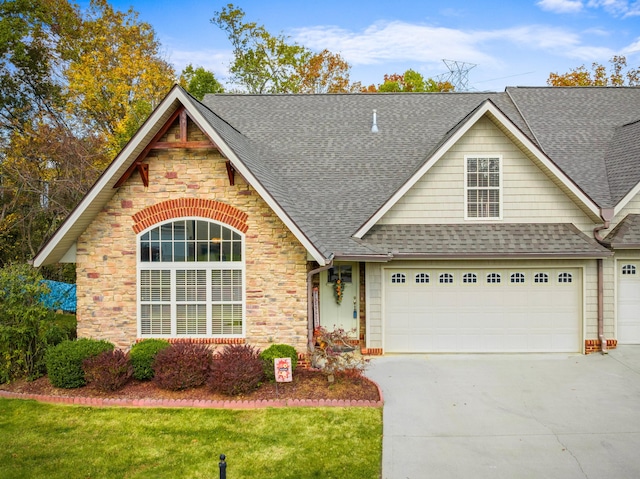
column 561, row 6
column 622, row 8
column 632, row 49
column 216, row 61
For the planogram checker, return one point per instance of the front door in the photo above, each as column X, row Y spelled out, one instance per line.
column 339, row 293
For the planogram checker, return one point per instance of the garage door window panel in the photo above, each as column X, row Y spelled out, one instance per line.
column 398, row 278
column 422, row 278
column 629, row 270
column 446, row 278
column 517, row 278
column 541, row 278
column 565, row 278
column 493, row 278
column 469, row 278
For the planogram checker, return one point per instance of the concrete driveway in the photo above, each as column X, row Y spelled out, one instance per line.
column 510, row 416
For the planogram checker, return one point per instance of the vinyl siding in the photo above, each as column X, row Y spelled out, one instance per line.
column 528, row 195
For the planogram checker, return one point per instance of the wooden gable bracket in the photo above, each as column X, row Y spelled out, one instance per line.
column 155, row 144
column 231, row 173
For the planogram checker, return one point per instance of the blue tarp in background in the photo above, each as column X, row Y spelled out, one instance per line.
column 62, row 296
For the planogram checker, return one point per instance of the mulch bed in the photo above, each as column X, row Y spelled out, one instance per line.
column 306, row 385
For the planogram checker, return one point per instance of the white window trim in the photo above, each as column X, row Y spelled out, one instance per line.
column 467, row 188
column 191, row 265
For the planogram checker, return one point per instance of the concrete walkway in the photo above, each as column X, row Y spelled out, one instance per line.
column 510, row 416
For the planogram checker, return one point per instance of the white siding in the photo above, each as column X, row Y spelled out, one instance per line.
column 529, row 196
column 373, row 280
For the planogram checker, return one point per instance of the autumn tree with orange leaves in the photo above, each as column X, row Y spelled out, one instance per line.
column 619, row 75
column 410, row 81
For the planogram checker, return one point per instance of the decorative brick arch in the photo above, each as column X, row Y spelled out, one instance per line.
column 199, row 207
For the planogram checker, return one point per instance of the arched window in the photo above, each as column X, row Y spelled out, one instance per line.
column 422, row 278
column 541, row 278
column 191, row 280
column 493, row 278
column 398, row 278
column 565, row 278
column 446, row 278
column 517, row 277
column 469, row 278
column 629, row 269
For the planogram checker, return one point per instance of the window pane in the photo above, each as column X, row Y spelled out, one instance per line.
column 155, row 233
column 145, row 251
column 203, row 231
column 179, row 231
column 179, row 252
column 203, row 251
column 237, row 251
column 226, row 251
column 472, row 165
column 191, row 319
column 167, row 253
column 166, row 232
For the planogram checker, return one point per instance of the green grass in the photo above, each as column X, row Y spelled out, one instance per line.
column 55, row 441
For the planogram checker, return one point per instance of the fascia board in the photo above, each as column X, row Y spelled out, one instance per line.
column 103, row 190
column 228, row 153
column 486, row 107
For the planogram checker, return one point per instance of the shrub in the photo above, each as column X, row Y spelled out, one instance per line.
column 109, row 370
column 238, row 369
column 64, row 361
column 142, row 356
column 182, row 366
column 27, row 327
column 278, row 351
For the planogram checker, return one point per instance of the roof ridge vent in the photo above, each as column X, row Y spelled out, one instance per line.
column 374, row 127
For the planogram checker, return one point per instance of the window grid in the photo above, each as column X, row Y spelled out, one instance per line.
column 422, row 278
column 629, row 269
column 470, row 278
column 192, row 294
column 565, row 278
column 398, row 278
column 446, row 278
column 517, row 277
column 541, row 278
column 493, row 278
column 483, row 185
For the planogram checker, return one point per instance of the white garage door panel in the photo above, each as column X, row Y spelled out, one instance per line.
column 481, row 317
column 629, row 302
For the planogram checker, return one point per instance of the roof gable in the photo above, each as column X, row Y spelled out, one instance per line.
column 490, row 110
column 230, row 143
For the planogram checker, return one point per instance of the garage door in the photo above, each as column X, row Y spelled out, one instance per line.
column 628, row 302
column 481, row 310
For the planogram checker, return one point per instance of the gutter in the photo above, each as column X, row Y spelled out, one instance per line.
column 310, row 275
column 607, row 215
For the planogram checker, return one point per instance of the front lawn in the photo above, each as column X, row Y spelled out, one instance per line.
column 53, row 441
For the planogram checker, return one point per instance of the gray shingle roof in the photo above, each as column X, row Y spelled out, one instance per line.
column 626, row 234
column 318, row 158
column 483, row 240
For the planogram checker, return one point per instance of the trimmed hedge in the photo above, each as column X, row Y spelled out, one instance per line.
column 109, row 370
column 142, row 356
column 278, row 351
column 64, row 361
column 182, row 366
column 238, row 369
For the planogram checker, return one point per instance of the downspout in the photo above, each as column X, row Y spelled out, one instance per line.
column 606, row 214
column 310, row 275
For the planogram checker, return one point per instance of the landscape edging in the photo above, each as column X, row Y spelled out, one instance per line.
column 194, row 403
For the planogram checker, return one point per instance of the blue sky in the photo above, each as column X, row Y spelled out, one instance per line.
column 512, row 43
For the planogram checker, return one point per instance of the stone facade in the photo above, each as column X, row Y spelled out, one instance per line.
column 276, row 265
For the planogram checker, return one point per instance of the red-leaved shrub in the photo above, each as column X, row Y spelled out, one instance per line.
column 237, row 369
column 109, row 370
column 182, row 366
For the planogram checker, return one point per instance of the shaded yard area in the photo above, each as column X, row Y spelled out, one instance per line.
column 53, row 441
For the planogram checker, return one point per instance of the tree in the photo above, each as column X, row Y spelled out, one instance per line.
column 117, row 75
column 410, row 81
column 262, row 63
column 35, row 36
column 199, row 81
column 598, row 75
column 74, row 87
column 325, row 72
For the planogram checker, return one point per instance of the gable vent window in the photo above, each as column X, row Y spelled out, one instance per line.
column 483, row 184
column 517, row 277
column 470, row 278
column 190, row 280
column 398, row 278
column 541, row 278
column 422, row 278
column 446, row 278
column 565, row 278
column 628, row 269
column 493, row 278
